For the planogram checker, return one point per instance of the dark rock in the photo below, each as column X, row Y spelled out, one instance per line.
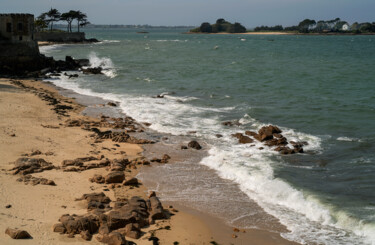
column 195, row 145
column 231, row 123
column 131, row 230
column 17, row 234
column 245, row 140
column 8, row 206
column 115, row 177
column 132, row 182
column 93, row 70
column 86, row 235
column 156, row 209
column 112, row 104
column 113, row 238
column 183, row 147
column 28, row 179
column 219, row 135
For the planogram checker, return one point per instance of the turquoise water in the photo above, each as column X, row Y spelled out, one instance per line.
column 320, row 89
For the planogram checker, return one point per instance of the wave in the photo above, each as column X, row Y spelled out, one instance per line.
column 347, row 139
column 105, row 63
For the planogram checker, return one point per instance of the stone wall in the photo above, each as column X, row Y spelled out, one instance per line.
column 16, row 27
column 60, row 36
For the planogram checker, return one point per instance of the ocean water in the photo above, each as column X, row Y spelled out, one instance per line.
column 319, row 89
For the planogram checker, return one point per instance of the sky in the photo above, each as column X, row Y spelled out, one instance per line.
column 250, row 13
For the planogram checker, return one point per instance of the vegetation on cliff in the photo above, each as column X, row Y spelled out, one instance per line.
column 221, row 25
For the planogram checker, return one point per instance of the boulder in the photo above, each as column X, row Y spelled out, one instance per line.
column 245, row 140
column 195, row 145
column 77, row 224
column 131, row 230
column 113, row 238
column 93, row 70
column 132, row 182
column 59, row 227
column 115, row 177
column 156, row 209
column 17, row 234
column 27, row 165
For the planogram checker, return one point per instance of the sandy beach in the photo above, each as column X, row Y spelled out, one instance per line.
column 36, row 122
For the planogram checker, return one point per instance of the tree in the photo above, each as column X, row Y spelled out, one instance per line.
column 306, row 25
column 69, row 17
column 53, row 15
column 81, row 18
column 237, row 28
column 40, row 22
column 206, row 27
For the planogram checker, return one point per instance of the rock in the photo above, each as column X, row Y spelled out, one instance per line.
column 93, row 70
column 156, row 209
column 31, row 165
column 97, row 179
column 59, row 227
column 77, row 224
column 266, row 132
column 8, row 206
column 112, row 104
column 230, row 123
column 28, row 179
column 86, row 235
column 236, row 230
column 165, row 158
column 131, row 230
column 82, row 62
column 115, row 177
column 37, row 152
column 195, row 145
column 183, row 147
column 17, row 234
column 250, row 133
column 218, row 135
column 114, row 238
column 132, row 182
column 245, row 140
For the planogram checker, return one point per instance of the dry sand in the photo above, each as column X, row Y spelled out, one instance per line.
column 28, row 124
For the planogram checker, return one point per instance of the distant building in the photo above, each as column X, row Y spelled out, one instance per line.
column 17, row 27
column 345, row 27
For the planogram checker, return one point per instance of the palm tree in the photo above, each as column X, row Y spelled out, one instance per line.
column 54, row 15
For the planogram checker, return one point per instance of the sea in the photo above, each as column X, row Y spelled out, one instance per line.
column 318, row 89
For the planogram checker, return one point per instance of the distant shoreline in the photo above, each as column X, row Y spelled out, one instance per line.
column 287, row 33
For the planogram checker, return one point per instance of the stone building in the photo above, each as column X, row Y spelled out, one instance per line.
column 19, row 52
column 17, row 27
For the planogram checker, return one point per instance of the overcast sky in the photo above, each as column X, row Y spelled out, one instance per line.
column 250, row 13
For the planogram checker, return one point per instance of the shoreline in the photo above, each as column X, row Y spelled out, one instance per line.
column 204, row 222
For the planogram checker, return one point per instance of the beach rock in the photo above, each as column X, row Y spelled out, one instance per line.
column 250, row 133
column 195, row 145
column 82, row 62
column 112, row 104
column 165, row 158
column 156, row 209
column 131, row 182
column 97, row 179
column 17, row 234
column 59, row 227
column 231, row 123
column 86, row 235
column 28, row 179
column 266, row 132
column 26, row 165
column 113, row 238
column 77, row 224
column 243, row 139
column 184, row 147
column 218, row 135
column 131, row 230
column 276, row 142
column 93, row 70
column 115, row 177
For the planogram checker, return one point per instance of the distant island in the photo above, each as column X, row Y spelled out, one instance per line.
column 221, row 25
column 307, row 26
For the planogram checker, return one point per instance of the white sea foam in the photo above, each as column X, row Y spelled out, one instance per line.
column 347, row 139
column 105, row 63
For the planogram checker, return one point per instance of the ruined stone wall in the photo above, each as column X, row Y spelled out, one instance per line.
column 60, row 36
